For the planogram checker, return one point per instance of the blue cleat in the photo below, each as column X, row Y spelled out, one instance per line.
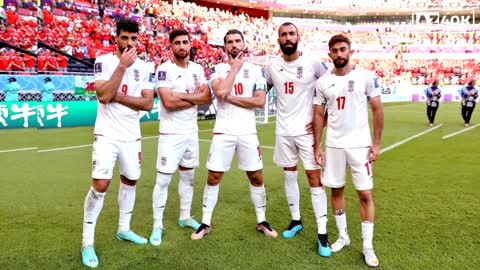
column 131, row 237
column 89, row 258
column 156, row 236
column 294, row 227
column 189, row 222
column 324, row 250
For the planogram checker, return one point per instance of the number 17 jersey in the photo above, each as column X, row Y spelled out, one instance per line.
column 294, row 83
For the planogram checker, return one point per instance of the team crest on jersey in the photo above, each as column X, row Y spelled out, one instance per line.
column 98, row 67
column 351, row 85
column 136, row 75
column 299, row 72
column 163, row 161
column 195, row 79
column 245, row 73
column 162, row 75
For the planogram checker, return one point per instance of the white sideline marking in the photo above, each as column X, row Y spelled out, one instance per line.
column 263, row 146
column 18, row 149
column 64, row 148
column 460, row 131
column 388, row 148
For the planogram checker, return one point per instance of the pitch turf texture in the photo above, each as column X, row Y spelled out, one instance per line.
column 427, row 197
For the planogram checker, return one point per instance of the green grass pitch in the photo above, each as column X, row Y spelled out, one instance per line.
column 427, row 197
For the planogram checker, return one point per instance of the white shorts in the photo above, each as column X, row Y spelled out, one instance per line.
column 224, row 146
column 289, row 148
column 336, row 162
column 105, row 153
column 175, row 150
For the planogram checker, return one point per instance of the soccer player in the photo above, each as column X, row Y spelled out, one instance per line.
column 346, row 92
column 433, row 100
column 240, row 87
column 123, row 87
column 294, row 77
column 182, row 86
column 469, row 95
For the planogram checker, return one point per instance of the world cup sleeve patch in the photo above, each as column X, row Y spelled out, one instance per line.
column 98, row 67
column 162, row 75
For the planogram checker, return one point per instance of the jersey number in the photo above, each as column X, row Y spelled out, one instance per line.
column 238, row 89
column 288, row 87
column 341, row 102
column 124, row 89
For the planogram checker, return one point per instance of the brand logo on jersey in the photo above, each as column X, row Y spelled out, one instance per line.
column 245, row 73
column 98, row 67
column 299, row 72
column 162, row 75
column 136, row 75
column 351, row 85
column 163, row 161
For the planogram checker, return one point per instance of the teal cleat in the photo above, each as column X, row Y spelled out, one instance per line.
column 156, row 236
column 292, row 231
column 189, row 222
column 89, row 258
column 132, row 237
column 324, row 250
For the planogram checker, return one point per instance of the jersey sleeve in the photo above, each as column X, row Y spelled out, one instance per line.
column 319, row 98
column 372, row 88
column 100, row 70
column 202, row 78
column 149, row 80
column 268, row 77
column 163, row 77
column 320, row 68
column 260, row 80
column 215, row 72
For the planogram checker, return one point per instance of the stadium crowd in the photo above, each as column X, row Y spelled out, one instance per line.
column 88, row 33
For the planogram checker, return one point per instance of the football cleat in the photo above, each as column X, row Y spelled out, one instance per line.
column 340, row 243
column 156, row 236
column 294, row 227
column 370, row 257
column 189, row 222
column 131, row 237
column 89, row 258
column 203, row 230
column 266, row 229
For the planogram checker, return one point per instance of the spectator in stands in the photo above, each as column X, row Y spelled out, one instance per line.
column 11, row 90
column 16, row 62
column 433, row 101
column 47, row 90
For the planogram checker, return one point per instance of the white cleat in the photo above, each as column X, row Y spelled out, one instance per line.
column 340, row 243
column 370, row 257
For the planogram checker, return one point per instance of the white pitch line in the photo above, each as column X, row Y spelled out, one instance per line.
column 263, row 146
column 64, row 148
column 18, row 149
column 460, row 131
column 388, row 148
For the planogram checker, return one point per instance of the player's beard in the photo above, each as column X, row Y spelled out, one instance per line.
column 289, row 50
column 338, row 64
column 234, row 53
column 182, row 54
column 122, row 49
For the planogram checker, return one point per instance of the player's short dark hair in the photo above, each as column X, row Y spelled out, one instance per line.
column 287, row 24
column 127, row 25
column 178, row 32
column 337, row 39
column 232, row 32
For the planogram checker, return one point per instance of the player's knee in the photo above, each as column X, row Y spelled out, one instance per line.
column 100, row 185
column 163, row 180
column 127, row 181
column 365, row 197
column 256, row 178
column 214, row 178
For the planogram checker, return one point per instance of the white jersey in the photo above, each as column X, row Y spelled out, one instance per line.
column 295, row 86
column 183, row 80
column 346, row 99
column 115, row 120
column 232, row 119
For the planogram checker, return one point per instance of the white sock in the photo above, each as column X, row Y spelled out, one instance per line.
column 210, row 197
column 259, row 200
column 185, row 192
column 341, row 222
column 367, row 234
column 91, row 210
column 293, row 193
column 319, row 202
column 159, row 198
column 126, row 201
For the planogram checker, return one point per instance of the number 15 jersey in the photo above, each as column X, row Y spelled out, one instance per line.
column 294, row 83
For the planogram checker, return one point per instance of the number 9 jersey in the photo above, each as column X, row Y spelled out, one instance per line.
column 294, row 83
